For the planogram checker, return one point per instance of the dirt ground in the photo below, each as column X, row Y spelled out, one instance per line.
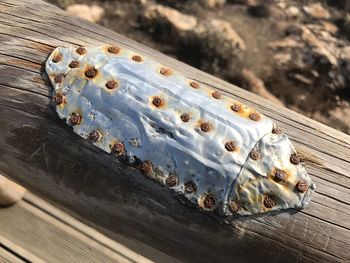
column 294, row 52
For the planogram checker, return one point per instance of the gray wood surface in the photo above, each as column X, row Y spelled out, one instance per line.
column 35, row 231
column 39, row 151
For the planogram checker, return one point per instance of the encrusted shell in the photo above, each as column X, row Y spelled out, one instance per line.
column 175, row 127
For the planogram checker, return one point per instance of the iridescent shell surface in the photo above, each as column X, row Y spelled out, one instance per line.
column 177, row 131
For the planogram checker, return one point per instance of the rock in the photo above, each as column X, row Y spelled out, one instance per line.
column 213, row 3
column 217, row 45
column 281, row 5
column 293, row 11
column 221, row 33
column 312, row 45
column 321, row 50
column 158, row 14
column 316, row 63
column 286, row 43
column 282, row 58
column 301, row 78
column 213, row 42
column 316, row 11
column 143, row 2
column 329, row 27
column 92, row 13
column 244, row 2
column 179, row 25
column 120, row 13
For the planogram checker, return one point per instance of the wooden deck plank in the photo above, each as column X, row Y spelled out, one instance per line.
column 123, row 203
column 38, row 232
column 9, row 257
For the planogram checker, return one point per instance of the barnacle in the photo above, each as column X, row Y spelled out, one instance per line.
column 217, row 152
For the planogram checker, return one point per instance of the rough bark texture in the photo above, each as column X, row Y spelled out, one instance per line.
column 39, row 151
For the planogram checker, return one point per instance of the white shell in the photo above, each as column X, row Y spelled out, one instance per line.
column 128, row 115
column 257, row 178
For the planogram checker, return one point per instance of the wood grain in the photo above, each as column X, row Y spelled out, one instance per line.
column 8, row 257
column 34, row 231
column 39, row 151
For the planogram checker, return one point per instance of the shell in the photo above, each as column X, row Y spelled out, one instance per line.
column 128, row 104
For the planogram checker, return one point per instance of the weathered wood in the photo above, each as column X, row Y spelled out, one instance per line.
column 10, row 192
column 39, row 151
column 8, row 257
column 35, row 231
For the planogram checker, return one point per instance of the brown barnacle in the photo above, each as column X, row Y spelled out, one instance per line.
column 301, row 186
column 216, row 95
column 231, row 146
column 75, row 119
column 57, row 58
column 81, row 50
column 113, row 49
column 111, row 84
column 137, row 58
column 234, row 206
column 157, row 101
column 147, row 167
column 236, row 107
column 206, row 127
column 91, row 73
column 172, row 180
column 207, row 202
column 95, row 136
column 190, row 187
column 165, row 71
column 59, row 99
column 118, row 148
column 185, row 117
column 58, row 78
column 74, row 64
column 277, row 130
column 295, row 158
column 194, row 84
column 269, row 201
column 254, row 116
column 280, row 176
column 254, row 155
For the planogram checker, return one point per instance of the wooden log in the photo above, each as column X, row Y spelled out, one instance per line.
column 40, row 152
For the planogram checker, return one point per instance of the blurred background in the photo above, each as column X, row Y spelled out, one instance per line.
column 294, row 52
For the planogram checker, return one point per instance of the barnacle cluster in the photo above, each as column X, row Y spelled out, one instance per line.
column 217, row 152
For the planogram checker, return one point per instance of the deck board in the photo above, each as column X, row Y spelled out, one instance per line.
column 9, row 257
column 35, row 231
